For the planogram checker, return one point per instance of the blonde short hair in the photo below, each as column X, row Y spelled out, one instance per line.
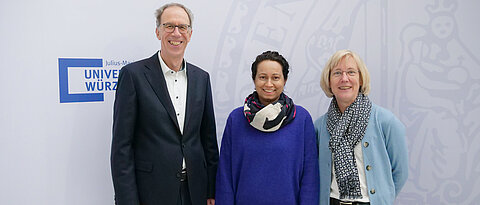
column 333, row 62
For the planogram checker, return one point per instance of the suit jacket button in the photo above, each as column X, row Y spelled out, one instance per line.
column 365, row 144
column 369, row 167
column 183, row 145
column 372, row 191
column 178, row 175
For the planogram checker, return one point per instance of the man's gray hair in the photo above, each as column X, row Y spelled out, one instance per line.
column 159, row 12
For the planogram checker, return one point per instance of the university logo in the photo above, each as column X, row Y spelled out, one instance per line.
column 86, row 80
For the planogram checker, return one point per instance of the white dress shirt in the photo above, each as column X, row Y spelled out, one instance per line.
column 177, row 89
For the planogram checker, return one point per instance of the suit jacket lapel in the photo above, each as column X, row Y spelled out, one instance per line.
column 191, row 87
column 155, row 77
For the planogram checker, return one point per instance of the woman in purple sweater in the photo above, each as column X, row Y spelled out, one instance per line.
column 268, row 153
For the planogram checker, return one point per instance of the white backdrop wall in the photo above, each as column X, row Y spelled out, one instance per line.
column 423, row 57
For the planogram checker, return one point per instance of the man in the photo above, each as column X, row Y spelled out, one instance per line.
column 164, row 146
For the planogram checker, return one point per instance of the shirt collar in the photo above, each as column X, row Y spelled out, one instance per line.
column 166, row 69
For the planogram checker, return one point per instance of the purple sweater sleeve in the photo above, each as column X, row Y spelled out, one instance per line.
column 310, row 184
column 224, row 193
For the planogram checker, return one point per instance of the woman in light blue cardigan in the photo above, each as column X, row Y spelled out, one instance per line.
column 362, row 148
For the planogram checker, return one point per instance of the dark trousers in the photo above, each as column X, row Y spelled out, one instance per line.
column 184, row 196
column 334, row 201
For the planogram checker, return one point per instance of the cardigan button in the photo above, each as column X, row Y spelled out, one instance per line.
column 372, row 191
column 365, row 144
column 369, row 167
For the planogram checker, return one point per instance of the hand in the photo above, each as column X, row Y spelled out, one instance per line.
column 210, row 201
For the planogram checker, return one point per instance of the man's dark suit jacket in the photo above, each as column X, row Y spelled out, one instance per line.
column 147, row 146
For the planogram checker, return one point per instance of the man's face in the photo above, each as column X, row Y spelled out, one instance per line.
column 173, row 44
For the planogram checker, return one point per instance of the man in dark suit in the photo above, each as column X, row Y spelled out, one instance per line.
column 164, row 146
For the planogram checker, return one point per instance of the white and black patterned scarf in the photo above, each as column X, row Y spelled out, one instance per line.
column 271, row 117
column 346, row 131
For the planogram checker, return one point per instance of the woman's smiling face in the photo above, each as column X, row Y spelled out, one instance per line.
column 345, row 82
column 269, row 81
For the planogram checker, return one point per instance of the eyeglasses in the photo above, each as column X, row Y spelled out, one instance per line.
column 339, row 73
column 182, row 28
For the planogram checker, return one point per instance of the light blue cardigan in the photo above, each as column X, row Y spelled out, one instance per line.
column 384, row 149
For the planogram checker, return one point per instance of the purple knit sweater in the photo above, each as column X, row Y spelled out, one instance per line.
column 258, row 168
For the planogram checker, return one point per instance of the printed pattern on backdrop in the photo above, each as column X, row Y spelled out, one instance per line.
column 434, row 87
column 423, row 58
column 440, row 105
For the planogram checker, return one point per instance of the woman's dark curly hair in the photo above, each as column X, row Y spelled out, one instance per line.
column 273, row 56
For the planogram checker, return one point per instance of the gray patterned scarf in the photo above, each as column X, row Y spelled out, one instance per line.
column 346, row 131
